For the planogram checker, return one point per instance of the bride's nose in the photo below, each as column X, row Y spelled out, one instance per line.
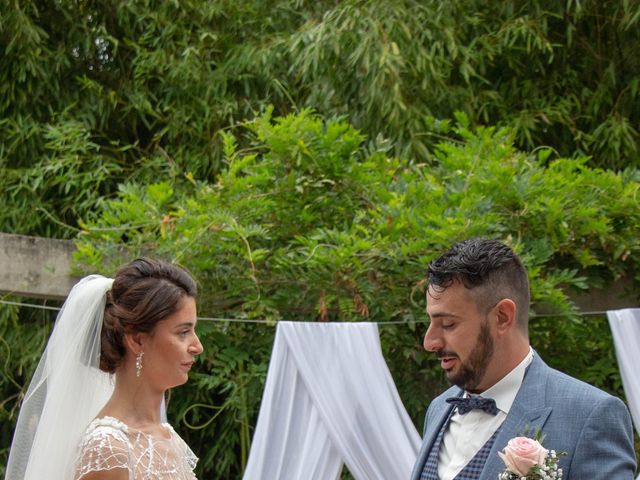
column 196, row 347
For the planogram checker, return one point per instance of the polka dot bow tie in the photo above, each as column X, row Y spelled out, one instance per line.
column 466, row 404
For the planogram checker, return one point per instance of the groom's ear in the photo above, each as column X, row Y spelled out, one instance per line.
column 505, row 311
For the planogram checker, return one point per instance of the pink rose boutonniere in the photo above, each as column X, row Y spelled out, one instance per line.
column 526, row 459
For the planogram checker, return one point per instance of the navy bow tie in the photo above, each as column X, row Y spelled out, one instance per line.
column 466, row 404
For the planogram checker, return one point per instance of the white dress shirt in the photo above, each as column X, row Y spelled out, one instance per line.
column 467, row 433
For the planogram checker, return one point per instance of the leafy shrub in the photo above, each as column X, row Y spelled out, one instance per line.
column 305, row 223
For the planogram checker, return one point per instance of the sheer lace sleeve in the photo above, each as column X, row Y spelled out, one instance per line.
column 190, row 459
column 105, row 446
column 108, row 443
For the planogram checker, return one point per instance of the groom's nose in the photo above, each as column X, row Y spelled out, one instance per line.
column 432, row 339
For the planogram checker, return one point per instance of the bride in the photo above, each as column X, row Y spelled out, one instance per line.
column 95, row 407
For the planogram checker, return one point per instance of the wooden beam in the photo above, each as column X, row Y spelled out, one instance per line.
column 35, row 267
column 615, row 296
column 39, row 267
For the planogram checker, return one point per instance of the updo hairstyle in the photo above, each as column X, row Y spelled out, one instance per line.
column 144, row 292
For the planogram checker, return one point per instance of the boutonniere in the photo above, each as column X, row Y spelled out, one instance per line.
column 526, row 459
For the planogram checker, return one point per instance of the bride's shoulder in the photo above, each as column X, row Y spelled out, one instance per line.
column 181, row 446
column 106, row 427
column 105, row 445
column 105, row 434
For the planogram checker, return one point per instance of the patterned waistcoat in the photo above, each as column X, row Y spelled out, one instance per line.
column 471, row 471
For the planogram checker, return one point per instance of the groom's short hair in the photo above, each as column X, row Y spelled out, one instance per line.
column 490, row 269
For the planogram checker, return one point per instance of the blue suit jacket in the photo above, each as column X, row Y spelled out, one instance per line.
column 593, row 427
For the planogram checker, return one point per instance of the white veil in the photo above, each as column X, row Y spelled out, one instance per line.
column 67, row 389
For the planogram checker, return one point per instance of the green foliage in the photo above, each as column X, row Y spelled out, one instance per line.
column 561, row 74
column 126, row 121
column 94, row 94
column 305, row 223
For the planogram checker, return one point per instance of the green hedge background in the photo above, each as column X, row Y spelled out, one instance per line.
column 306, row 160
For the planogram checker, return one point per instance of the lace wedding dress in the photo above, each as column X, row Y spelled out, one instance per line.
column 67, row 391
column 108, row 443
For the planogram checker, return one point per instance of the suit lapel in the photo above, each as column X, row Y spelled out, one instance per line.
column 527, row 415
column 433, row 425
column 436, row 423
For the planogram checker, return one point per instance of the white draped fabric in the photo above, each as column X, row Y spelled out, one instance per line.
column 329, row 399
column 625, row 326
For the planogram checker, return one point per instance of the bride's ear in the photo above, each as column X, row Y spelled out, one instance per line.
column 134, row 342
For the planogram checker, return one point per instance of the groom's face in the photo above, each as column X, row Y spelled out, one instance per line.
column 460, row 335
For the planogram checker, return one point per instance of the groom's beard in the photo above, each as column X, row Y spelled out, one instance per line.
column 470, row 373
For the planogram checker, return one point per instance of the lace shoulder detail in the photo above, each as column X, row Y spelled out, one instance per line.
column 109, row 443
column 190, row 458
column 104, row 446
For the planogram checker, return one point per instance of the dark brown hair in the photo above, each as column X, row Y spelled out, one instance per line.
column 144, row 292
column 489, row 267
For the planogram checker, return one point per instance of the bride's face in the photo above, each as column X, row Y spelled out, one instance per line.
column 170, row 349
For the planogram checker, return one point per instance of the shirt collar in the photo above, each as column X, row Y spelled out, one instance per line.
column 504, row 392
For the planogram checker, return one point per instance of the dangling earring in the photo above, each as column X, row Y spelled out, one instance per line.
column 139, row 363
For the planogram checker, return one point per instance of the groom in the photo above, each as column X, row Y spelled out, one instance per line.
column 478, row 300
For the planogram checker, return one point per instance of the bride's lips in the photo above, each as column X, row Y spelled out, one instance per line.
column 188, row 365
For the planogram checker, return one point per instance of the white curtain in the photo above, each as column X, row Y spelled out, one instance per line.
column 625, row 326
column 329, row 399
